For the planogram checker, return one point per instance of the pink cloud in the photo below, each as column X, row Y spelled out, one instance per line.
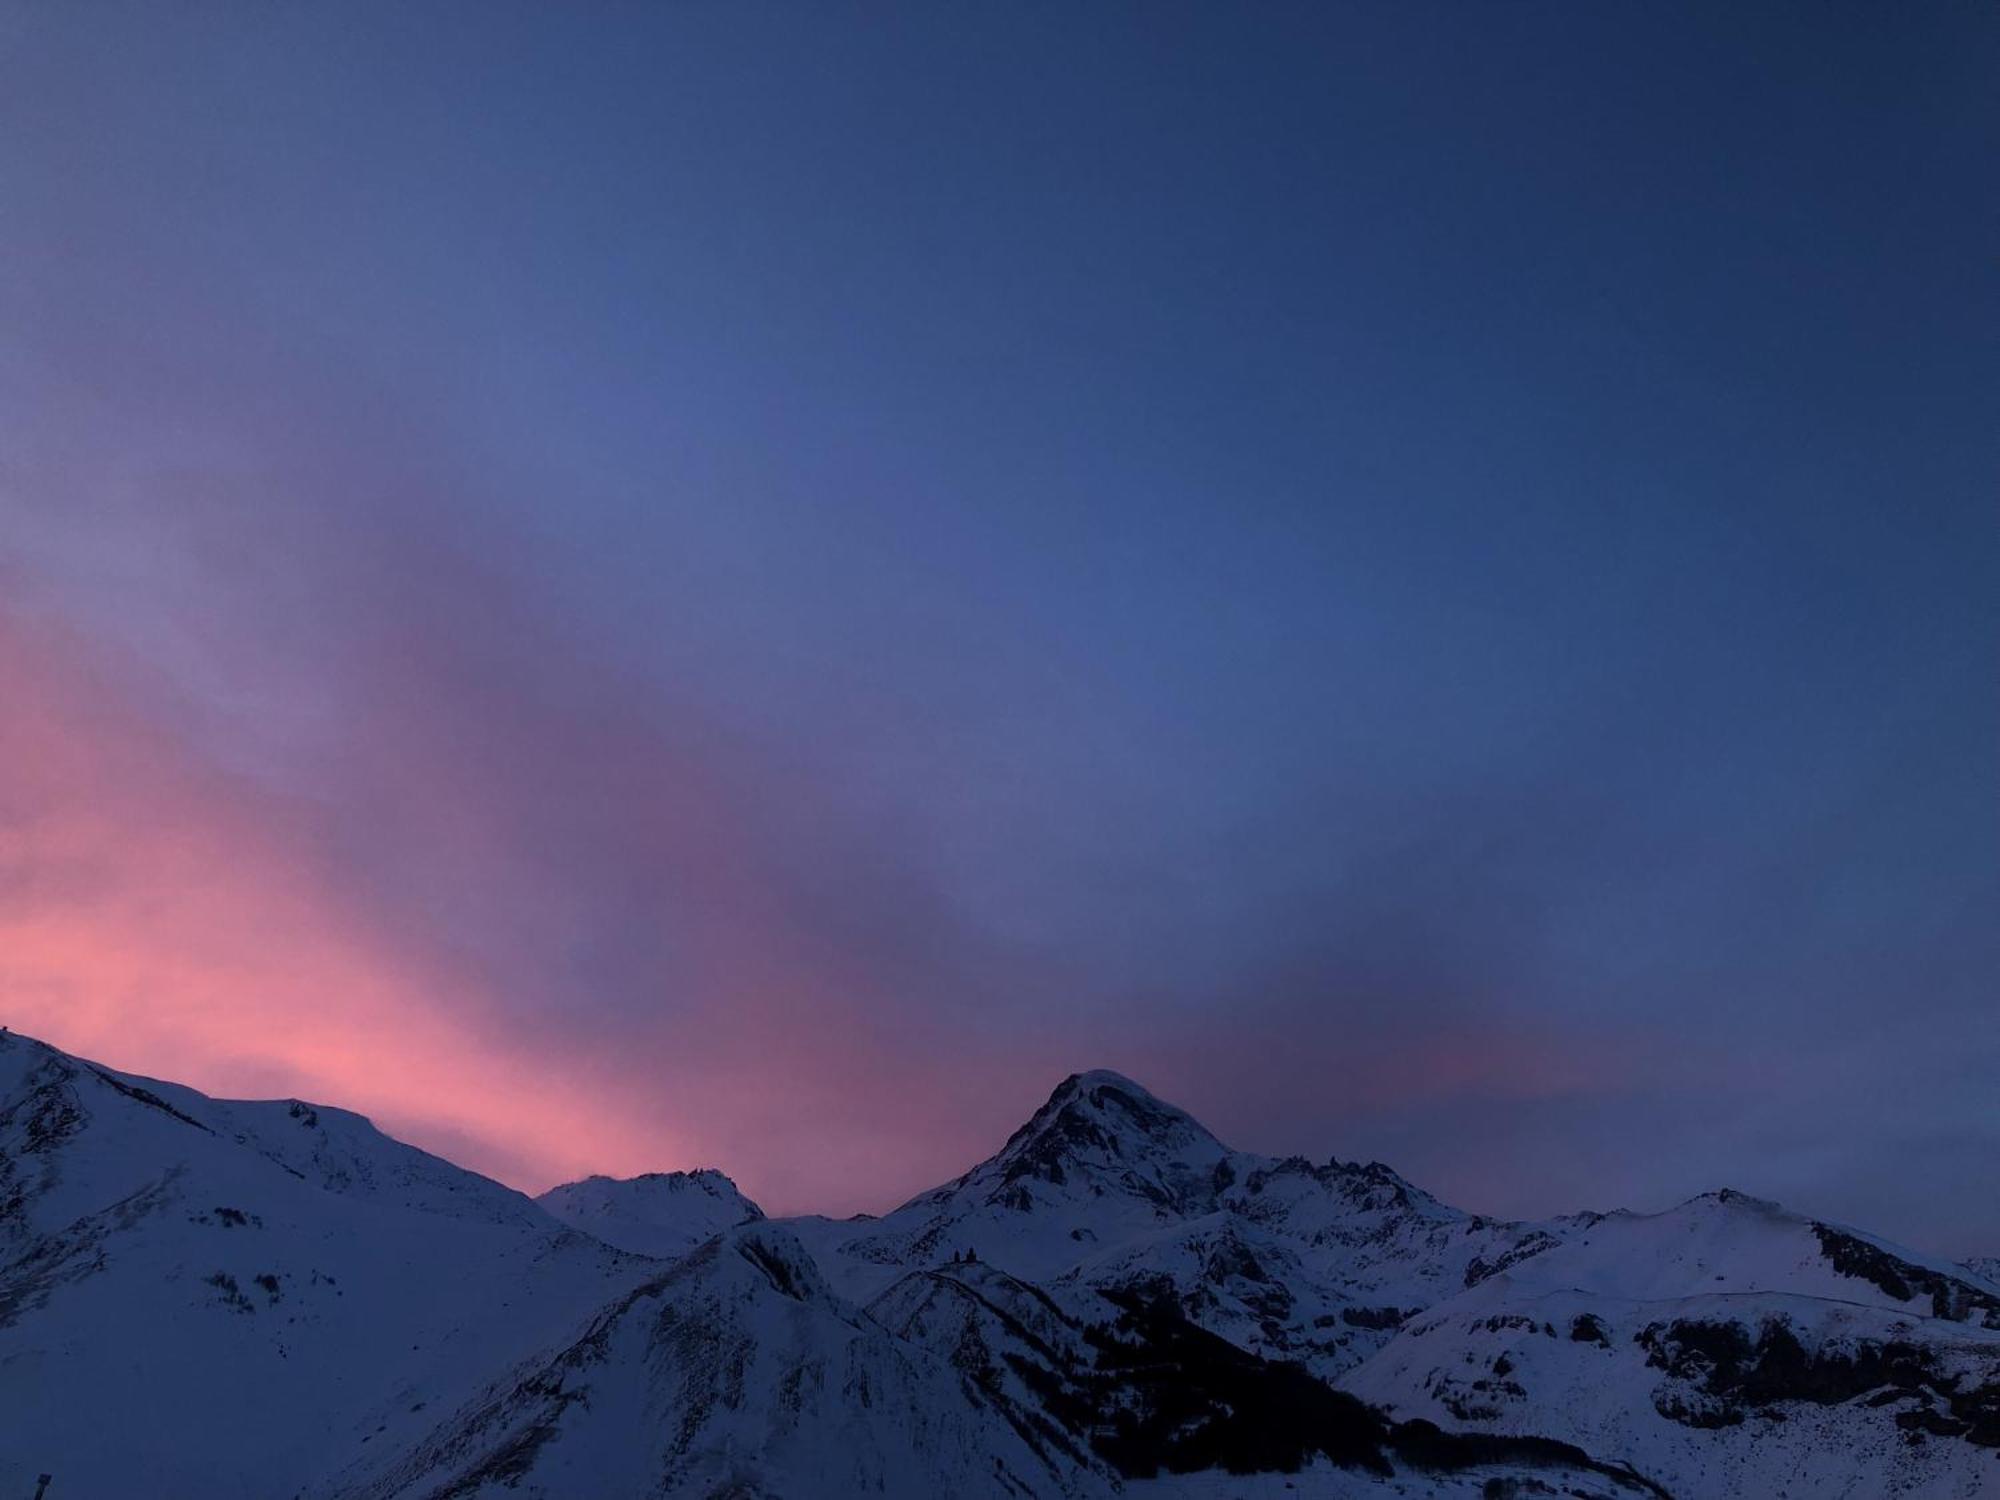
column 163, row 916
column 166, row 915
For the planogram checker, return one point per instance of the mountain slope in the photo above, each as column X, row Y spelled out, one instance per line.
column 1108, row 1195
column 1728, row 1346
column 234, row 1290
column 1154, row 1397
column 737, row 1372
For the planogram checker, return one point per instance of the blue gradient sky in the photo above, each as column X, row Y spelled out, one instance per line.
column 633, row 587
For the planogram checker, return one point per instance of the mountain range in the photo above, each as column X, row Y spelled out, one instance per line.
column 276, row 1301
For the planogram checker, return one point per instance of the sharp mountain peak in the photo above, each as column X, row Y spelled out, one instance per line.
column 1114, row 1103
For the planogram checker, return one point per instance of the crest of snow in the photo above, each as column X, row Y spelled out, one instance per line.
column 662, row 1214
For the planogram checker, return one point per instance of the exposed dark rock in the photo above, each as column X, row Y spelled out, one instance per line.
column 1585, row 1329
column 148, row 1098
column 1950, row 1297
column 1478, row 1269
column 231, row 1294
column 1178, row 1398
column 787, row 1276
column 1372, row 1317
column 1725, row 1373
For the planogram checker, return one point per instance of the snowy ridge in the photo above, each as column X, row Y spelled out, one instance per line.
column 661, row 1213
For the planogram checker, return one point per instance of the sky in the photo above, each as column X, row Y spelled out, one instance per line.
column 638, row 587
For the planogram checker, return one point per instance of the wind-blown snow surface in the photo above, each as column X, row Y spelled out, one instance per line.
column 274, row 1299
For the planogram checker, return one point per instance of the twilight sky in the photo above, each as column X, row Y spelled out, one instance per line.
column 640, row 587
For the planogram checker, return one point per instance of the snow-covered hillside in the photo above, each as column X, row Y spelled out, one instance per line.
column 1727, row 1346
column 737, row 1372
column 274, row 1299
column 199, row 1297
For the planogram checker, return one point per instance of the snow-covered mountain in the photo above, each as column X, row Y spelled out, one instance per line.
column 737, row 1371
column 199, row 1297
column 1154, row 1398
column 740, row 1372
column 1109, row 1188
column 659, row 1214
column 274, row 1299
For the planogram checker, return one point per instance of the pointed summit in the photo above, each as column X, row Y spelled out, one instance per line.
column 1103, row 1120
column 1093, row 1076
column 1100, row 1161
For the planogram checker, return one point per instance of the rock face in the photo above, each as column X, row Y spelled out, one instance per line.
column 274, row 1299
column 660, row 1214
